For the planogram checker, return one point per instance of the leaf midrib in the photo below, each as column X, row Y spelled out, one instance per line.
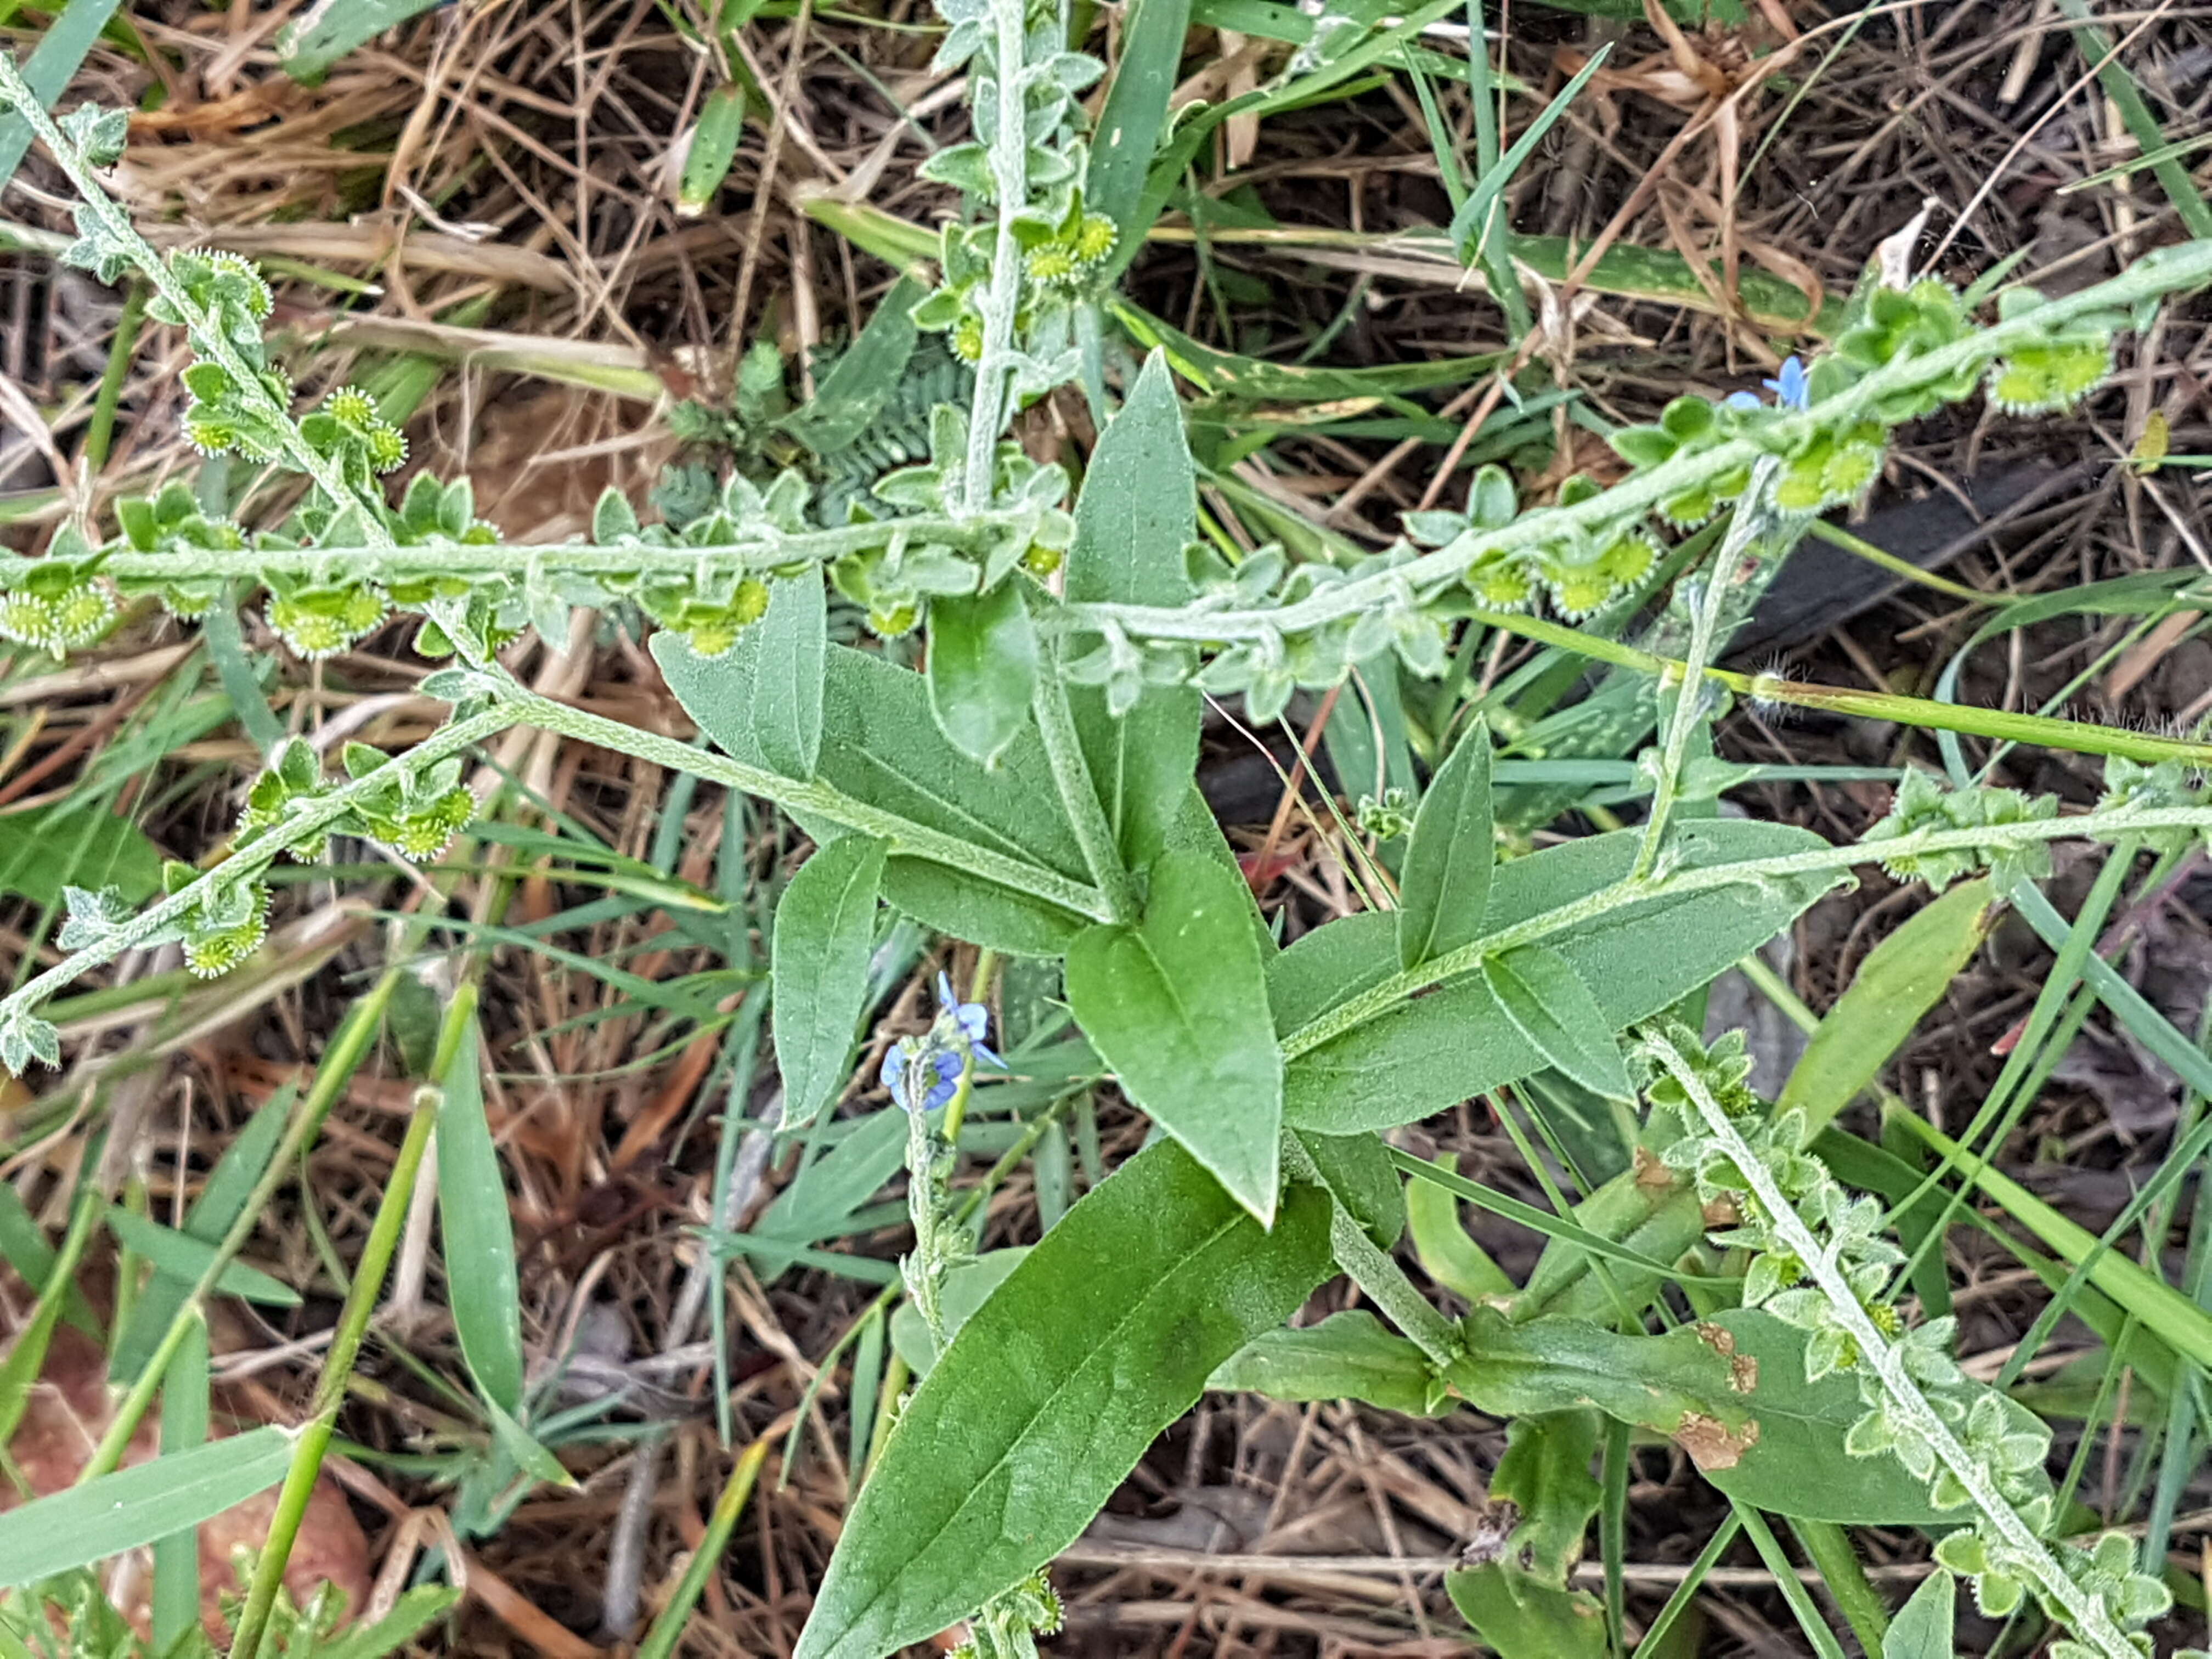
column 1014, row 1443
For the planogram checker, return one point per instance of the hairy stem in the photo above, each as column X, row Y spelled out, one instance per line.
column 1002, row 299
column 208, row 338
column 1079, row 795
column 1749, row 520
column 2086, row 1615
column 318, row 815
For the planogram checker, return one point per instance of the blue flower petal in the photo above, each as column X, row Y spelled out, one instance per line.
column 938, row 1096
column 948, row 1066
column 984, row 1055
column 1746, row 400
column 944, row 997
column 893, row 1066
column 974, row 1020
column 1790, row 387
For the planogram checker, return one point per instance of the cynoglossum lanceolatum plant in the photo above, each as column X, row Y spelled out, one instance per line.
column 1031, row 791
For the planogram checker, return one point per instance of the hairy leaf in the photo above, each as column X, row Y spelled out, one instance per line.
column 1798, row 1467
column 1177, row 1005
column 1901, row 978
column 982, row 668
column 1444, row 894
column 1139, row 506
column 1347, row 1356
column 1522, row 1618
column 1549, row 1005
column 1422, row 1054
column 1103, row 1335
column 826, row 929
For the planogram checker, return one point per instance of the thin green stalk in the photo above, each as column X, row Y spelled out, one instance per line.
column 2097, row 50
column 1837, row 536
column 1079, row 795
column 99, row 430
column 1792, row 1587
column 2087, row 1616
column 19, row 1373
column 1828, row 1547
column 661, row 1641
column 1746, row 525
column 315, row 1436
column 345, row 1053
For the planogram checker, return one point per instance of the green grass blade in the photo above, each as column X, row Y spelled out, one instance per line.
column 122, row 1512
column 54, row 65
column 482, row 1286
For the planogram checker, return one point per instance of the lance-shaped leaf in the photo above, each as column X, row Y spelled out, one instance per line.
column 1549, row 1005
column 1103, row 1335
column 825, row 927
column 1177, row 1004
column 1444, row 896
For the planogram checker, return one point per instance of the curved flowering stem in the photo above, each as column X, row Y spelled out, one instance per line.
column 2090, row 1620
column 313, row 817
column 97, row 211
column 1002, row 299
column 1752, row 520
column 2168, row 270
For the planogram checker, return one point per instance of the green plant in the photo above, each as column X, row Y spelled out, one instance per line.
column 1031, row 791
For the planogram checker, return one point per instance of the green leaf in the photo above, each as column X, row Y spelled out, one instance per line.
column 1358, row 1172
column 1545, row 1474
column 62, row 46
column 714, row 144
column 1549, row 1005
column 1177, row 1005
column 413, row 1614
column 786, row 708
column 1446, row 1253
column 307, row 54
column 135, row 1506
column 1680, row 1384
column 24, row 1246
column 1139, row 506
column 1103, row 1335
column 1444, row 894
column 949, row 901
column 1423, row 1054
column 982, row 668
column 1923, row 1626
column 65, row 845
column 1347, row 1356
column 868, row 372
column 966, row 1288
column 183, row 1258
column 826, row 930
column 481, row 1284
column 1901, row 978
column 1134, row 115
column 1797, row 1466
column 881, row 745
column 1523, row 1619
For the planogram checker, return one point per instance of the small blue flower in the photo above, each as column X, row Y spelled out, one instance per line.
column 972, row 1018
column 1789, row 388
column 1743, row 400
column 943, row 1050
